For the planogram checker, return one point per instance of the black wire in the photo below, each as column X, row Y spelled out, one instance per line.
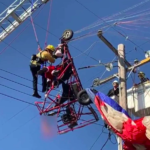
column 111, row 139
column 97, row 137
column 106, row 23
column 22, row 85
column 42, row 99
column 88, row 9
column 16, row 82
column 9, row 45
column 16, row 90
column 106, row 141
column 96, row 140
column 32, row 96
column 70, row 44
column 17, row 99
column 15, row 114
column 93, row 123
column 26, row 86
column 18, row 127
column 17, row 75
column 22, row 77
column 3, row 4
column 54, row 36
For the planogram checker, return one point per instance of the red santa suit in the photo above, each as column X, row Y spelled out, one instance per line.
column 50, row 72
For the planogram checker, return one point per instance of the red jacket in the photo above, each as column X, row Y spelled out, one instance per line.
column 49, row 75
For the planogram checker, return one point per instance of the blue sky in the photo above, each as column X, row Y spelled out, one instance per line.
column 20, row 124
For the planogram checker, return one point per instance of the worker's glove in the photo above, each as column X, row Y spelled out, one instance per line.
column 55, row 56
column 60, row 45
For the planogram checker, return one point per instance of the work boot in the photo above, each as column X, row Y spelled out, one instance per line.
column 35, row 94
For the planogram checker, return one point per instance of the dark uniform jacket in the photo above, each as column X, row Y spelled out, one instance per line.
column 113, row 92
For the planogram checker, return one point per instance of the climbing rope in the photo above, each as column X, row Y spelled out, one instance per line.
column 32, row 22
column 48, row 23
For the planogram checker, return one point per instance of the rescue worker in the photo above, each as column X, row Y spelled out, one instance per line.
column 35, row 65
column 115, row 90
column 142, row 77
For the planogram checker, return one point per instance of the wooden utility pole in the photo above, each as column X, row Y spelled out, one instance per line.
column 122, row 83
column 122, row 77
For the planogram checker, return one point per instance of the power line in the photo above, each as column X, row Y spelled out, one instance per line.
column 18, row 127
column 16, row 90
column 95, row 141
column 109, row 138
column 105, row 142
column 17, row 75
column 115, row 139
column 14, row 97
column 17, row 99
column 3, row 4
column 106, row 23
column 24, row 92
column 19, row 84
column 88, row 9
column 49, row 33
column 15, row 49
column 15, row 114
column 70, row 44
column 16, row 82
column 27, row 94
column 21, row 77
column 22, row 85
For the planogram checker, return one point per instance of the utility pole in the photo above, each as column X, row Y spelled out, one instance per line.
column 122, row 77
column 122, row 83
column 122, row 62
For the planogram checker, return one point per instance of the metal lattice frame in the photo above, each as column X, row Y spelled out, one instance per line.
column 81, row 112
column 15, row 14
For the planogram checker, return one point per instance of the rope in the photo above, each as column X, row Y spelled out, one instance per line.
column 48, row 24
column 36, row 37
column 35, row 32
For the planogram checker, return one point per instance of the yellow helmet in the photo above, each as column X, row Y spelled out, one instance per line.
column 50, row 47
column 141, row 74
